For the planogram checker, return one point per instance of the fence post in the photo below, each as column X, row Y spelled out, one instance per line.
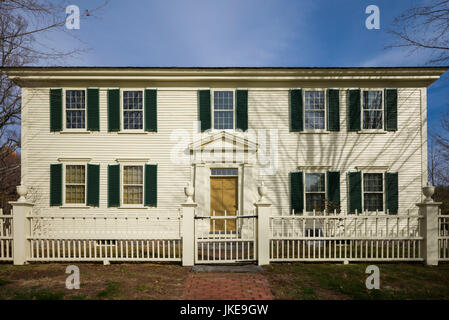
column 188, row 228
column 21, row 226
column 263, row 227
column 429, row 227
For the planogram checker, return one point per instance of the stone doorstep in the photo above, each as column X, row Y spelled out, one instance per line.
column 227, row 268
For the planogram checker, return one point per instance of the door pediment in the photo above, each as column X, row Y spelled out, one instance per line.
column 223, row 147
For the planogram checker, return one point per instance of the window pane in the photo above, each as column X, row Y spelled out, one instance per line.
column 372, row 119
column 314, row 100
column 372, row 182
column 372, row 109
column 74, row 194
column 74, row 99
column 75, row 174
column 132, row 100
column 314, row 201
column 75, row 109
column 133, row 194
column 314, row 109
column 223, row 100
column 223, row 120
column 76, row 119
column 132, row 109
column 133, row 120
column 133, row 175
column 224, row 172
column 315, row 182
column 373, row 201
column 372, row 100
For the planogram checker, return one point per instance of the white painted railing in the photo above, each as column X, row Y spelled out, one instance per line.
column 225, row 238
column 339, row 237
column 6, row 238
column 100, row 237
column 443, row 237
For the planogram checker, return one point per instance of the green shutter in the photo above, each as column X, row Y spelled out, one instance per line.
column 151, row 110
column 55, row 109
column 333, row 189
column 354, row 110
column 114, row 109
column 391, row 192
column 93, row 185
column 333, row 110
column 204, row 109
column 93, row 110
column 114, row 185
column 391, row 109
column 296, row 110
column 56, row 184
column 296, row 192
column 150, row 186
column 355, row 191
column 242, row 109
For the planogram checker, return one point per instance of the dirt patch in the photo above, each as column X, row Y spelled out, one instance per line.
column 116, row 281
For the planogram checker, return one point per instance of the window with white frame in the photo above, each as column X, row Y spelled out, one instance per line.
column 314, row 110
column 223, row 110
column 75, row 184
column 75, row 105
column 132, row 110
column 132, row 184
column 372, row 109
column 373, row 191
column 315, row 191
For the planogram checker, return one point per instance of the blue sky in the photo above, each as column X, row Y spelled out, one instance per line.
column 244, row 33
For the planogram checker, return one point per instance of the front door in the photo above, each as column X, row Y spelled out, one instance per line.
column 223, row 197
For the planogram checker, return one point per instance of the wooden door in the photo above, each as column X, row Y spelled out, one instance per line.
column 223, row 196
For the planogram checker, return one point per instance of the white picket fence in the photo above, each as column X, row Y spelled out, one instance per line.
column 6, row 238
column 342, row 237
column 443, row 237
column 100, row 237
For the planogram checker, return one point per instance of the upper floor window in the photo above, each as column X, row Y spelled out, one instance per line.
column 372, row 109
column 132, row 110
column 75, row 184
column 223, row 110
column 75, row 105
column 133, row 185
column 314, row 110
column 315, row 191
column 373, row 191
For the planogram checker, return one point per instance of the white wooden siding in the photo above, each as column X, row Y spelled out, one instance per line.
column 268, row 108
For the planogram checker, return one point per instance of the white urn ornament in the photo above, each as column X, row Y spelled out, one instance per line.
column 262, row 189
column 188, row 190
column 428, row 191
column 22, row 192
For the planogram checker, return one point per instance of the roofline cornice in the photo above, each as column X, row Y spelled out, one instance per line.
column 24, row 75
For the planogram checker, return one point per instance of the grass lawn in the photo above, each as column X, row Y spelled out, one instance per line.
column 333, row 281
column 166, row 281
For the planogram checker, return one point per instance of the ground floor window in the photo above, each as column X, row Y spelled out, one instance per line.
column 373, row 191
column 133, row 185
column 315, row 191
column 75, row 184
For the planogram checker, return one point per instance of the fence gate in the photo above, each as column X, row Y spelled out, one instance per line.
column 226, row 238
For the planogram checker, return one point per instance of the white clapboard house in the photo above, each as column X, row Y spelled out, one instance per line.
column 128, row 140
